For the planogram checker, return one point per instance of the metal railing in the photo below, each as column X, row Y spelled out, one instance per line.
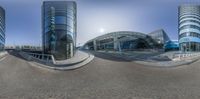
column 41, row 57
column 3, row 53
column 181, row 56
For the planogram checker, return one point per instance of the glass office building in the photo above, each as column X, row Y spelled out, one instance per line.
column 123, row 41
column 160, row 36
column 172, row 45
column 2, row 29
column 59, row 28
column 189, row 28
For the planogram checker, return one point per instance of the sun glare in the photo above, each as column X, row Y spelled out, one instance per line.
column 102, row 30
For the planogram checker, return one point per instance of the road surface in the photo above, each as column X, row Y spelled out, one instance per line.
column 106, row 77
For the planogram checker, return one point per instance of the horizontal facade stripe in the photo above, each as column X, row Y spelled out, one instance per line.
column 68, row 7
column 2, row 36
column 2, row 24
column 189, row 18
column 2, row 42
column 63, row 11
column 2, row 32
column 189, row 30
column 189, row 23
column 2, row 28
column 189, row 34
column 189, row 39
column 190, row 27
column 189, row 15
column 68, row 16
column 186, row 21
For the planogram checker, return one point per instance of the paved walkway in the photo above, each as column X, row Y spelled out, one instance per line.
column 106, row 77
column 67, row 65
column 157, row 59
column 78, row 60
column 78, row 57
column 2, row 54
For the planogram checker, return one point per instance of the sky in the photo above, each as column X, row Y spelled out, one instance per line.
column 94, row 18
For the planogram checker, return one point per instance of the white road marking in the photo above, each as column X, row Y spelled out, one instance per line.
column 37, row 65
column 3, row 58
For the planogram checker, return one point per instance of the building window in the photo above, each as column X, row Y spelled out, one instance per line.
column 60, row 20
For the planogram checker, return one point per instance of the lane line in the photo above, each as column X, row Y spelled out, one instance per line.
column 3, row 58
column 41, row 68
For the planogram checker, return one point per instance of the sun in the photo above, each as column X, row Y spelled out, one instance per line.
column 102, row 30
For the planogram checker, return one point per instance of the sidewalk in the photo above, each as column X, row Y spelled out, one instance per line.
column 78, row 60
column 166, row 63
column 3, row 54
column 151, row 59
column 134, row 55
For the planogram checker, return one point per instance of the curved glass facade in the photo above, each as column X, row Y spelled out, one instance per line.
column 171, row 45
column 2, row 29
column 189, row 27
column 160, row 36
column 123, row 41
column 59, row 28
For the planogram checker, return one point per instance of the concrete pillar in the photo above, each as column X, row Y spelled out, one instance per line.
column 71, row 50
column 95, row 45
column 116, row 43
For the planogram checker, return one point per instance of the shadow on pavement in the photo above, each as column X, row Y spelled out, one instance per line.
column 108, row 56
column 129, row 58
column 16, row 54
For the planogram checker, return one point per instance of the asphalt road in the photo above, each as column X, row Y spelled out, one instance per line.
column 106, row 77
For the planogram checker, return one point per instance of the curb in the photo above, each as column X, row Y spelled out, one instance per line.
column 3, row 54
column 70, row 64
column 122, row 56
column 165, row 64
column 71, row 67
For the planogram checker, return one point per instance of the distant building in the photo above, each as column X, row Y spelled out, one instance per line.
column 2, row 29
column 160, row 36
column 172, row 45
column 189, row 27
column 127, row 41
column 28, row 48
column 59, row 28
column 9, row 47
